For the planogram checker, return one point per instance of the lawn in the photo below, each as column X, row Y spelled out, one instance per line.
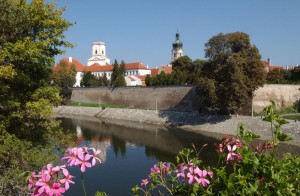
column 84, row 104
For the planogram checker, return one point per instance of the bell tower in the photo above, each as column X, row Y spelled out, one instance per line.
column 98, row 54
column 177, row 50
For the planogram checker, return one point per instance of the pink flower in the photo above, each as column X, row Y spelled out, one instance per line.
column 155, row 169
column 144, row 182
column 210, row 173
column 43, row 182
column 83, row 161
column 67, row 179
column 181, row 170
column 56, row 189
column 201, row 177
column 231, row 153
column 95, row 156
column 192, row 174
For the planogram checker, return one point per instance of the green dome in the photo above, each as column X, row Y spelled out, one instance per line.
column 177, row 43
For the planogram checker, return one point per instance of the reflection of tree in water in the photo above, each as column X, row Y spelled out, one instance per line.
column 160, row 155
column 118, row 145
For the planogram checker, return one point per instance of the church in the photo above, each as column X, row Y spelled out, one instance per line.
column 99, row 64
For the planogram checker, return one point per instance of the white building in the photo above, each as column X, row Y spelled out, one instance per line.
column 98, row 54
column 99, row 64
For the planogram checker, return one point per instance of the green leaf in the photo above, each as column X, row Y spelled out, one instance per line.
column 283, row 137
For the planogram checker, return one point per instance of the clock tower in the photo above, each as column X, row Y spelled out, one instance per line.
column 98, row 54
column 177, row 50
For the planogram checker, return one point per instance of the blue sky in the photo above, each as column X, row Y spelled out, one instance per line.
column 143, row 30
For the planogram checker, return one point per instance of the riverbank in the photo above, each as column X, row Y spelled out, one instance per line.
column 188, row 121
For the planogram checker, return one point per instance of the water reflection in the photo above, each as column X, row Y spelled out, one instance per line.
column 128, row 150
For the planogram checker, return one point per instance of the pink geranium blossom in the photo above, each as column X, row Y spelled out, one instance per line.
column 95, row 156
column 231, row 155
column 56, row 189
column 200, row 178
column 67, row 179
column 144, row 182
column 56, row 180
column 83, row 161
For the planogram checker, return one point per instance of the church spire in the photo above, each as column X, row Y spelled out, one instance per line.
column 177, row 50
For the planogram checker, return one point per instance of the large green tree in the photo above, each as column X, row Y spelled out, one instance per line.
column 234, row 69
column 31, row 34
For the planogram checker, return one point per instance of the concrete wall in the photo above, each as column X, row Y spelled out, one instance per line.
column 283, row 95
column 179, row 98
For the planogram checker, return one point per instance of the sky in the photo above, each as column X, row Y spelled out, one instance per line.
column 143, row 30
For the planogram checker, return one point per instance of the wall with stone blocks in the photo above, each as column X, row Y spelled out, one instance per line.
column 178, row 98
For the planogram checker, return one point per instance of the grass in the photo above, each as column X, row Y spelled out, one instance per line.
column 292, row 117
column 85, row 104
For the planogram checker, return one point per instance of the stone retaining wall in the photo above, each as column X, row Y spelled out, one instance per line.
column 177, row 98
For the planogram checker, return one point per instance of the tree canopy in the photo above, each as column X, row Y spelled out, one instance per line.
column 234, row 70
column 31, row 34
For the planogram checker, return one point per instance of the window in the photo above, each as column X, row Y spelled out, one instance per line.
column 96, row 51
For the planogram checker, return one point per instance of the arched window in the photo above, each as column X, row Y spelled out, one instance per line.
column 96, row 51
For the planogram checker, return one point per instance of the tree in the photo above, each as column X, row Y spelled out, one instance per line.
column 275, row 76
column 31, row 34
column 122, row 70
column 120, row 81
column 89, row 80
column 105, row 81
column 235, row 66
column 115, row 72
column 65, row 78
column 186, row 71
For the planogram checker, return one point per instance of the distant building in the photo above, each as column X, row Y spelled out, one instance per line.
column 269, row 67
column 98, row 55
column 99, row 65
column 177, row 50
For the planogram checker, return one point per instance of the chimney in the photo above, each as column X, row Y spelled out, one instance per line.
column 147, row 67
column 70, row 59
column 269, row 61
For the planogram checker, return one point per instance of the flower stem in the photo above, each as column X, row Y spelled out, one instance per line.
column 83, row 186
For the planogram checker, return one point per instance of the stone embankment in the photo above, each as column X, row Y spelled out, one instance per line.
column 185, row 120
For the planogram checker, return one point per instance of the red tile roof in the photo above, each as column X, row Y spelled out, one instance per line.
column 78, row 66
column 154, row 72
column 142, row 78
column 167, row 69
column 274, row 67
column 98, row 68
column 135, row 65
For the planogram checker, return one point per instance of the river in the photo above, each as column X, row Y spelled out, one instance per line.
column 129, row 150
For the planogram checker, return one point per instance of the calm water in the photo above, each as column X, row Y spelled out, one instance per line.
column 128, row 151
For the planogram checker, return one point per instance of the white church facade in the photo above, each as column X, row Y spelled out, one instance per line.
column 99, row 65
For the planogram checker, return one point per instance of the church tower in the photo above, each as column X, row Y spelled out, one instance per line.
column 177, row 50
column 98, row 54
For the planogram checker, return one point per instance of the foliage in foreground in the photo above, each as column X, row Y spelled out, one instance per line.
column 243, row 168
column 31, row 36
